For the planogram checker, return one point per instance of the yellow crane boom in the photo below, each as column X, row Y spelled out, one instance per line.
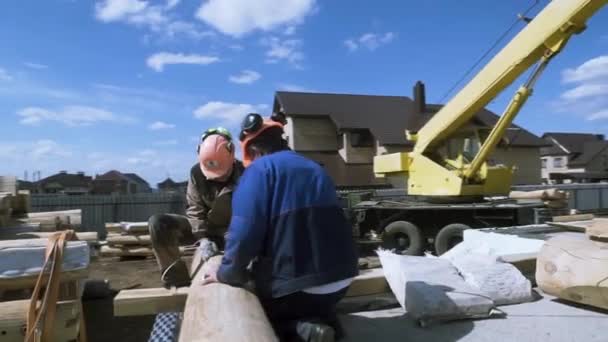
column 427, row 174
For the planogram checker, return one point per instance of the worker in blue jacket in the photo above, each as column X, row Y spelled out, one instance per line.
column 288, row 225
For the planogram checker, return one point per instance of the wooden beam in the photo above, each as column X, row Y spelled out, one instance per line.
column 56, row 220
column 571, row 218
column 13, row 317
column 142, row 302
column 152, row 301
column 219, row 312
column 26, row 282
column 107, row 251
column 115, row 239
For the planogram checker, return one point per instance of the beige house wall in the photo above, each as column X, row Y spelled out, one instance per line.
column 526, row 161
column 311, row 134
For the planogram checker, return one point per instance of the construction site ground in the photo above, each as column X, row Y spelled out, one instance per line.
column 546, row 319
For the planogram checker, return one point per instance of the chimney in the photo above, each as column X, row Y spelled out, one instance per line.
column 419, row 97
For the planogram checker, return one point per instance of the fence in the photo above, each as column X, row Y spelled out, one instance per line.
column 98, row 210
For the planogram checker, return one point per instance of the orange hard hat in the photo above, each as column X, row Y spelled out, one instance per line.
column 258, row 126
column 216, row 156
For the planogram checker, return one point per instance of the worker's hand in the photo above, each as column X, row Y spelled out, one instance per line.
column 210, row 276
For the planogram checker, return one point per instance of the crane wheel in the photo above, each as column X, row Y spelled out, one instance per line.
column 403, row 237
column 449, row 236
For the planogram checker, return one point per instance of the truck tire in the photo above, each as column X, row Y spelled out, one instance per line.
column 404, row 237
column 449, row 236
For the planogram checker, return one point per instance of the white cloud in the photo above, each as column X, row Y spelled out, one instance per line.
column 239, row 17
column 371, row 41
column 113, row 10
column 171, row 142
column 156, row 18
column 588, row 93
column 287, row 50
column 37, row 66
column 48, row 148
column 592, row 69
column 4, row 76
column 159, row 60
column 70, row 116
column 172, row 3
column 603, row 114
column 229, row 114
column 585, row 90
column 160, row 125
column 245, row 77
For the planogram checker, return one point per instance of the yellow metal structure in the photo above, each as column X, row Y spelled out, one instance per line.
column 448, row 159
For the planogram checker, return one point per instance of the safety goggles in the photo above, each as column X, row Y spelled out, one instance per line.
column 219, row 130
column 253, row 122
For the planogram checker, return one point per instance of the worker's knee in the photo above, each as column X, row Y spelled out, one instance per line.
column 160, row 225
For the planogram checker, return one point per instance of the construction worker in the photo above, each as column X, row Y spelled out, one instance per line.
column 209, row 200
column 287, row 220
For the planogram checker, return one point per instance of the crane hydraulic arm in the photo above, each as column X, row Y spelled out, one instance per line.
column 431, row 174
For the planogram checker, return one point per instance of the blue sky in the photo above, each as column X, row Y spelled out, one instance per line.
column 131, row 84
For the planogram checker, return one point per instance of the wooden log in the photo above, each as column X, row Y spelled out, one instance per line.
column 546, row 194
column 56, row 220
column 219, row 312
column 26, row 282
column 124, row 240
column 13, row 317
column 152, row 301
column 108, row 251
column 574, row 268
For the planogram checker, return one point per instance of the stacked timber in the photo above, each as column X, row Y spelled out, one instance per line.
column 129, row 239
column 552, row 198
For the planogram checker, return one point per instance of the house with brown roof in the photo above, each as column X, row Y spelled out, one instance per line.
column 64, row 183
column 343, row 132
column 169, row 185
column 116, row 182
column 574, row 157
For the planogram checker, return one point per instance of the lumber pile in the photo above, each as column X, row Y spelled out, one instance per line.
column 552, row 198
column 130, row 239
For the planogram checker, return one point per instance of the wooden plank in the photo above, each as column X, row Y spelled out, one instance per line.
column 13, row 317
column 570, row 226
column 574, row 268
column 219, row 312
column 570, row 218
column 152, row 301
column 116, row 239
column 598, row 229
column 142, row 302
column 26, row 282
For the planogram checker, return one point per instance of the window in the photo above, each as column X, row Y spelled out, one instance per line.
column 544, row 163
column 361, row 138
column 340, row 141
column 558, row 162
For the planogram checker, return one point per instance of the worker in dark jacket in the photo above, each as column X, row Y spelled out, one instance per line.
column 287, row 220
column 209, row 206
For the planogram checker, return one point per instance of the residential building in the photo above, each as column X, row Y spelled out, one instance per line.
column 169, row 185
column 343, row 132
column 574, row 157
column 116, row 182
column 64, row 183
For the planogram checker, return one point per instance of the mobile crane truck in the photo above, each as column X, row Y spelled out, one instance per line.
column 451, row 186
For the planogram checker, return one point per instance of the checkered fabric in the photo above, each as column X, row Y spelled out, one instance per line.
column 166, row 327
